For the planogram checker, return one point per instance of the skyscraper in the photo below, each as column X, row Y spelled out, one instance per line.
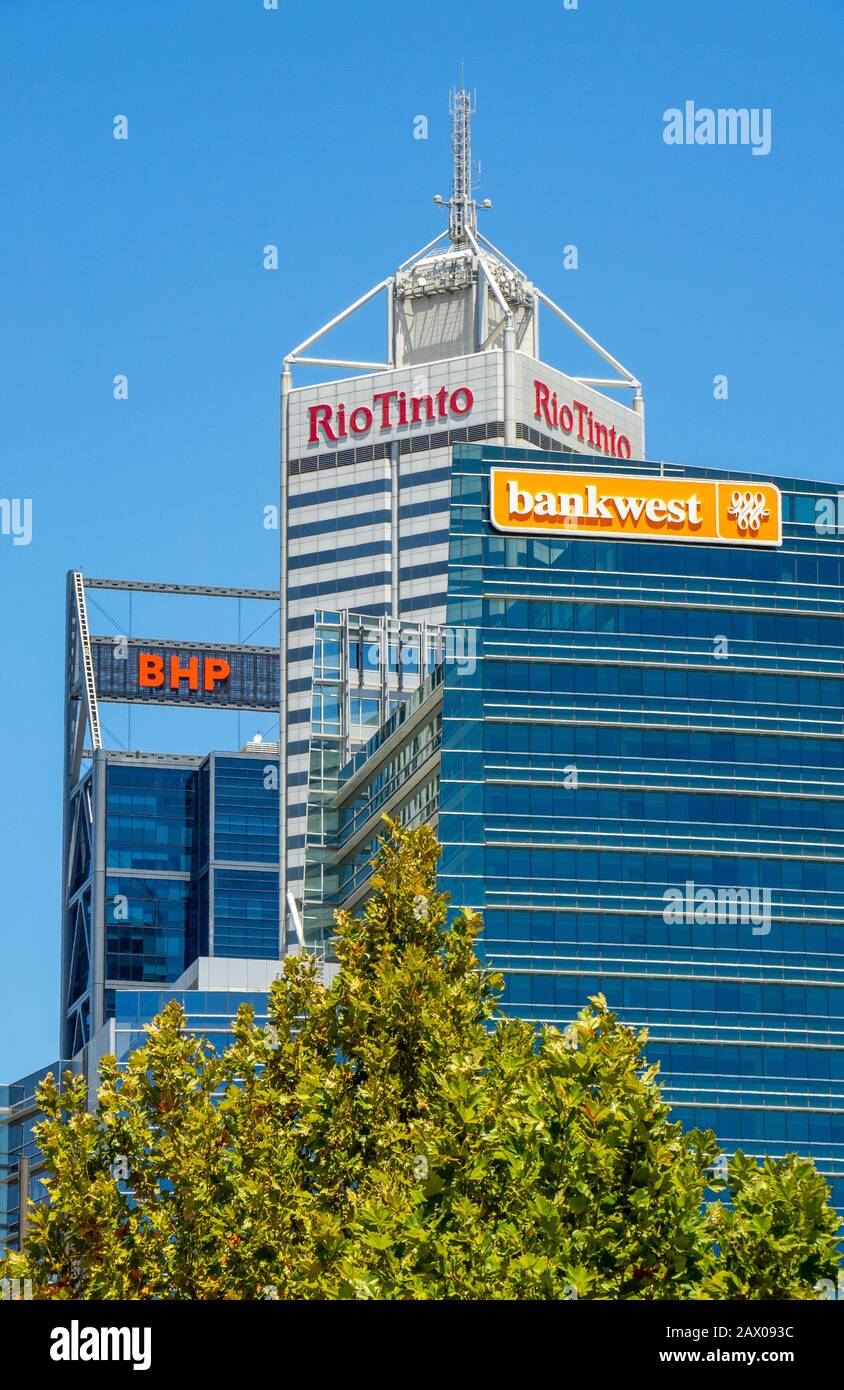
column 366, row 459
column 613, row 685
column 638, row 780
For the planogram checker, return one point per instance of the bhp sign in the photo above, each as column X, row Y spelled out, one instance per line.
column 539, row 501
column 157, row 672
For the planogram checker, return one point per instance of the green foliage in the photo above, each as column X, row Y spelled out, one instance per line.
column 393, row 1137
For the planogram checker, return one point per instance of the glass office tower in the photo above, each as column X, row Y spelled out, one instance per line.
column 180, row 862
column 22, row 1165
column 176, row 882
column 639, row 784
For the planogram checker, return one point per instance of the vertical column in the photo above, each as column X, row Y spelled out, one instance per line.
column 212, row 846
column 23, row 1199
column 98, row 891
column 395, row 537
column 639, row 407
column 72, row 712
column 286, row 386
column 509, row 382
column 480, row 303
column 346, row 684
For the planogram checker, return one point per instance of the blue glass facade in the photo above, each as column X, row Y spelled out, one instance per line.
column 177, row 860
column 367, row 674
column 209, row 1013
column 21, row 1163
column 647, row 717
column 152, row 816
column 213, row 830
column 245, row 811
column 640, row 786
column 150, row 927
column 246, row 914
column 180, row 861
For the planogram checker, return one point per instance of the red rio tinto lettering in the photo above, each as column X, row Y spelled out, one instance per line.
column 388, row 410
column 579, row 420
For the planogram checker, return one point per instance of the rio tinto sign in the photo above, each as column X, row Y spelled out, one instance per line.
column 540, row 502
column 579, row 421
column 387, row 411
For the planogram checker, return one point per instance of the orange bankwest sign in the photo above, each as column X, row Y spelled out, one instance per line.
column 540, row 501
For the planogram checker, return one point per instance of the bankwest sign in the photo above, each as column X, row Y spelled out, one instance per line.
column 541, row 501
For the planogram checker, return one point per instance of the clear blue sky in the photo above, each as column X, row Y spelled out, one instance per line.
column 295, row 127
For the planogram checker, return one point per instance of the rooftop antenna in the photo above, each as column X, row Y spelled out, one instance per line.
column 462, row 208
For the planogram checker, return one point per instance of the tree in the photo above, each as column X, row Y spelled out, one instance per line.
column 393, row 1136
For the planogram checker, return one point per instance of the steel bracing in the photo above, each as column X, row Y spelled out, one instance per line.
column 83, row 834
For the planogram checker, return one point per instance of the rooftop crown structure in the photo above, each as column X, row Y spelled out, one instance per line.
column 460, row 363
column 464, row 298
